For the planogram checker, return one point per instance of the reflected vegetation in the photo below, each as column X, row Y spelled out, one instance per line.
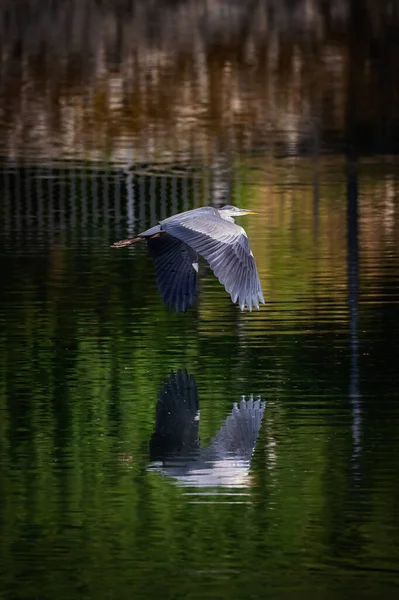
column 176, row 446
column 85, row 342
column 114, row 115
column 196, row 79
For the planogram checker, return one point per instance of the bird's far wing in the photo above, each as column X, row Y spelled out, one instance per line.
column 238, row 434
column 226, row 248
column 176, row 267
column 176, row 430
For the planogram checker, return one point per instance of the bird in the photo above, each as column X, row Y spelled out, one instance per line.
column 174, row 245
column 175, row 446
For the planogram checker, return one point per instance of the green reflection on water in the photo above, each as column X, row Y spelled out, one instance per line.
column 85, row 347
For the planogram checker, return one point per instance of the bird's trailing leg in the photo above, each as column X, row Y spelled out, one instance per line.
column 123, row 243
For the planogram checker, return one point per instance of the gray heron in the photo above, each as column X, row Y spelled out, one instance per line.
column 174, row 245
column 175, row 448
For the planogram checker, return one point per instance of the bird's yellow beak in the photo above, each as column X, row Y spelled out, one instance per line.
column 250, row 212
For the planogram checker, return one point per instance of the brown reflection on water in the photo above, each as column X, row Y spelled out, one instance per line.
column 193, row 78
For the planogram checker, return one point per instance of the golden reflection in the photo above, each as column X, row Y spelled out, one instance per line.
column 198, row 86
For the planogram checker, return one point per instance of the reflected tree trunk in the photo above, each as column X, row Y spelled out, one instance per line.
column 353, row 127
column 353, row 291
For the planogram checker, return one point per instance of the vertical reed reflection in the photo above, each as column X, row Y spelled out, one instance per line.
column 86, row 195
column 7, row 199
column 94, row 208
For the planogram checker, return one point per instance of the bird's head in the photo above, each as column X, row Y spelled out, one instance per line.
column 228, row 212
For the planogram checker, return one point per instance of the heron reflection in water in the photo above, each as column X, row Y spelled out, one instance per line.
column 174, row 245
column 175, row 448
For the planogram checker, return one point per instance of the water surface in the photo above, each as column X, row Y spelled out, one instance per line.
column 86, row 345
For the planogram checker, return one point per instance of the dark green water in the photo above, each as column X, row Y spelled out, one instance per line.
column 113, row 115
column 86, row 346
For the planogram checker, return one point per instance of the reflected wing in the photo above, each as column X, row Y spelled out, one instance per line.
column 176, row 266
column 177, row 419
column 226, row 248
column 237, row 436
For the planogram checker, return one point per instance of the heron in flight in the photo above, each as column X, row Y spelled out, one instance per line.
column 175, row 447
column 174, row 245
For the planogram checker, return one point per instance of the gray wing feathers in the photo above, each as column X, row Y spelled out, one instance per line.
column 175, row 273
column 237, row 437
column 152, row 231
column 225, row 246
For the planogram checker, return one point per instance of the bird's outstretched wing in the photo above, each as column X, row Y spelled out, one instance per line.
column 237, row 437
column 176, row 267
column 226, row 248
column 176, row 431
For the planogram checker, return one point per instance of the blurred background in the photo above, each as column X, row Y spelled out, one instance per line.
column 114, row 114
